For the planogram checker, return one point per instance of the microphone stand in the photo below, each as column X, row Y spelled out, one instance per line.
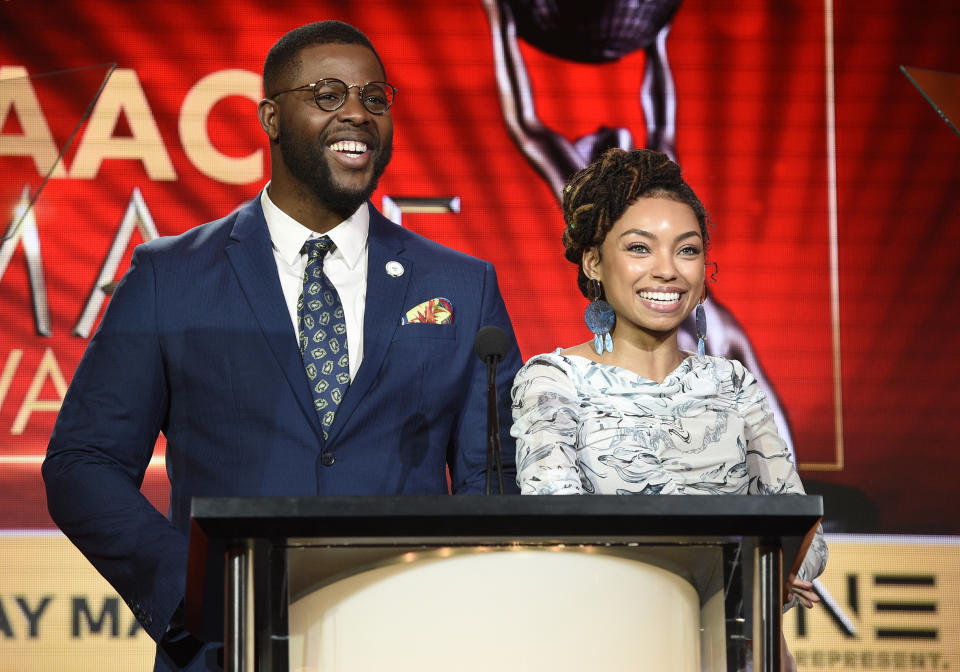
column 494, row 460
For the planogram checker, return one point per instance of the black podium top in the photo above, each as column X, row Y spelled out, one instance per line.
column 504, row 517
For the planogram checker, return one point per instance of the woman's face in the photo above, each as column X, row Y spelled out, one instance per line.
column 652, row 265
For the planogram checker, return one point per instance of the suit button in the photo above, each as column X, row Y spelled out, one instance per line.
column 327, row 459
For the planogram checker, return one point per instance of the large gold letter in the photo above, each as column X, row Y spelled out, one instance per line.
column 17, row 96
column 10, row 368
column 193, row 127
column 122, row 94
column 48, row 368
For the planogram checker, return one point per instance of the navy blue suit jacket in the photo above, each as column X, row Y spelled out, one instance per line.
column 197, row 343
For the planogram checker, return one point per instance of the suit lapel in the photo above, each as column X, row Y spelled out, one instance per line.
column 381, row 316
column 250, row 253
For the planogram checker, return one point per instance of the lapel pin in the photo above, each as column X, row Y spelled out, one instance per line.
column 394, row 269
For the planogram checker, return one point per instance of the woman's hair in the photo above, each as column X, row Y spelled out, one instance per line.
column 597, row 196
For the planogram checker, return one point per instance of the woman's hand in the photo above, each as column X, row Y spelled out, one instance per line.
column 803, row 591
column 807, row 596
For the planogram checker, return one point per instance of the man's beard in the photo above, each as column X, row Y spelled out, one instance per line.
column 312, row 169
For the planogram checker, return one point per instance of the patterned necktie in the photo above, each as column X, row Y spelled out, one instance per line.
column 323, row 334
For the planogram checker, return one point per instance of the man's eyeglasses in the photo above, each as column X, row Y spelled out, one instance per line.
column 330, row 94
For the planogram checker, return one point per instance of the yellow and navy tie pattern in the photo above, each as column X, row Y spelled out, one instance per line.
column 323, row 334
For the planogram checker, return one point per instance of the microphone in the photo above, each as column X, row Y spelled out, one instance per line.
column 491, row 341
column 491, row 346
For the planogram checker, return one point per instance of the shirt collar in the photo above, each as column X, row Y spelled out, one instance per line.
column 288, row 235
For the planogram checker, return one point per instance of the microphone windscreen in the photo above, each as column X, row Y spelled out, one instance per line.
column 491, row 341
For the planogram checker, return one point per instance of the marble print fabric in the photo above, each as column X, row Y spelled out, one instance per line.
column 588, row 428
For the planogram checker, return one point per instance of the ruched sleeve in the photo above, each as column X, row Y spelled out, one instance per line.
column 545, row 423
column 771, row 467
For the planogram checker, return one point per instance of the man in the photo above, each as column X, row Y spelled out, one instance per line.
column 303, row 345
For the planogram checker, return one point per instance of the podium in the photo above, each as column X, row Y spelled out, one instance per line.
column 728, row 556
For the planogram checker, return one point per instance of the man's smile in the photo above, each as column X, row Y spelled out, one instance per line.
column 349, row 147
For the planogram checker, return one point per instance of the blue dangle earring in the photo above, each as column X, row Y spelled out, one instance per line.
column 701, row 319
column 600, row 318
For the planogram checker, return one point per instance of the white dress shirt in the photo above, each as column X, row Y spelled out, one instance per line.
column 345, row 266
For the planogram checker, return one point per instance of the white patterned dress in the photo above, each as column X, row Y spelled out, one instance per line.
column 588, row 428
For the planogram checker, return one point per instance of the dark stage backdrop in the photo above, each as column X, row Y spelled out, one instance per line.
column 831, row 181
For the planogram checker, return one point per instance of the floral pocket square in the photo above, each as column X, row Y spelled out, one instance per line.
column 433, row 311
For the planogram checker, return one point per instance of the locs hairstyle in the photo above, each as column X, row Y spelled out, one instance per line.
column 284, row 56
column 597, row 196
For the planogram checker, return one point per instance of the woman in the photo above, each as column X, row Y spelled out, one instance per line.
column 629, row 412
